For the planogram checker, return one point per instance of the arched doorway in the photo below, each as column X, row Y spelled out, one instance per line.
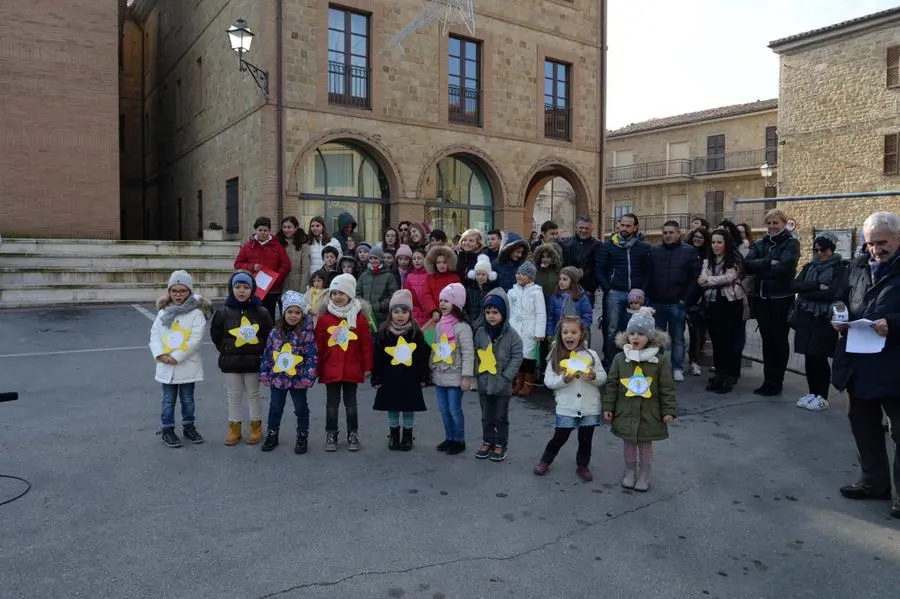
column 340, row 176
column 462, row 198
column 555, row 190
column 555, row 201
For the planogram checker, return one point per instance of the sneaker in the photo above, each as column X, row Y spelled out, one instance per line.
column 191, row 434
column 895, row 508
column 817, row 404
column 541, row 468
column 863, row 490
column 679, row 375
column 331, row 441
column 456, row 447
column 444, row 445
column 695, row 369
column 271, row 441
column 499, row 453
column 803, row 401
column 302, row 444
column 170, row 438
column 712, row 369
column 484, row 451
column 584, row 473
column 353, row 442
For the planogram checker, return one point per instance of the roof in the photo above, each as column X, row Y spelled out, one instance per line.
column 695, row 117
column 837, row 27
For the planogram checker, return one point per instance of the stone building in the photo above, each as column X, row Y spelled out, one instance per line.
column 692, row 164
column 460, row 129
column 839, row 120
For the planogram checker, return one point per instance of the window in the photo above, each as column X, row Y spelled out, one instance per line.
column 464, row 199
column 770, row 192
column 891, row 166
column 893, row 66
column 232, row 206
column 772, row 145
column 200, row 213
column 557, row 106
column 623, row 157
column 464, row 85
column 348, row 58
column 715, row 153
column 715, row 206
column 620, row 209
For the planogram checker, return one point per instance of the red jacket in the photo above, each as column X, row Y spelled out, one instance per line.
column 337, row 365
column 270, row 255
column 434, row 284
column 415, row 283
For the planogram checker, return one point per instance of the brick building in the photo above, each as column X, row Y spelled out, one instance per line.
column 692, row 164
column 462, row 130
column 59, row 116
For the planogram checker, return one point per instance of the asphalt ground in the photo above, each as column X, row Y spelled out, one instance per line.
column 744, row 501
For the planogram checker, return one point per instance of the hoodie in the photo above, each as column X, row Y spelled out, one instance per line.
column 504, row 266
column 507, row 351
column 345, row 219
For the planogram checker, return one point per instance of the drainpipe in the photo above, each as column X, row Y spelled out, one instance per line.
column 601, row 140
column 144, row 232
column 279, row 108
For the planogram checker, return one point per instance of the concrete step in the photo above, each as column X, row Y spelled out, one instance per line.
column 91, row 247
column 28, row 296
column 122, row 262
column 92, row 276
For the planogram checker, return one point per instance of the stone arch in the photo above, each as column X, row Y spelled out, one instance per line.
column 488, row 166
column 549, row 168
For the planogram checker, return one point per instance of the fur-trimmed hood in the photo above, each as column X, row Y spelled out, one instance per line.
column 514, row 241
column 432, row 255
column 657, row 338
column 553, row 251
column 203, row 304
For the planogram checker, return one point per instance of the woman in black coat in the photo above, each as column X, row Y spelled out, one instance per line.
column 816, row 287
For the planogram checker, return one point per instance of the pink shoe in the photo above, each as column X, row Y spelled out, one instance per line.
column 541, row 468
column 584, row 473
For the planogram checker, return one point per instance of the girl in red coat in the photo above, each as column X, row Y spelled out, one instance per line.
column 344, row 344
column 264, row 251
column 416, row 278
column 440, row 262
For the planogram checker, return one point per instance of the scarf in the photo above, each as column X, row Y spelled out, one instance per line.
column 446, row 324
column 717, row 270
column 624, row 243
column 262, row 242
column 879, row 269
column 374, row 269
column 233, row 302
column 398, row 331
column 493, row 331
column 820, row 273
column 173, row 310
column 348, row 312
column 648, row 354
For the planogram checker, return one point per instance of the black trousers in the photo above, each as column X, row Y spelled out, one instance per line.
column 818, row 375
column 494, row 419
column 725, row 324
column 528, row 366
column 868, row 433
column 333, row 393
column 561, row 435
column 270, row 301
column 772, row 317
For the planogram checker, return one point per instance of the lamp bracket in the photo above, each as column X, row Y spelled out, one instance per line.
column 260, row 76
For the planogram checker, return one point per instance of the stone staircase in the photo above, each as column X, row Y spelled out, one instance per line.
column 47, row 272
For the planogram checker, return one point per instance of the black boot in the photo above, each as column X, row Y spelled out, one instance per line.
column 406, row 442
column 715, row 383
column 726, row 386
column 271, row 441
column 302, row 443
column 394, row 438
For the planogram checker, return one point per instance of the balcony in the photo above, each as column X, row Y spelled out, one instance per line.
column 557, row 122
column 464, row 105
column 649, row 170
column 699, row 166
column 348, row 85
column 730, row 161
column 652, row 223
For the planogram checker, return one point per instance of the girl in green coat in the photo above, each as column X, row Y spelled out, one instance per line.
column 639, row 400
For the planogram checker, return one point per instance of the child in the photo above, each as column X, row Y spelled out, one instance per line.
column 528, row 316
column 175, row 337
column 400, row 374
column 452, row 362
column 329, row 270
column 569, row 298
column 575, row 375
column 362, row 252
column 471, row 246
column 344, row 346
column 376, row 285
column 481, row 280
column 499, row 355
column 348, row 266
column 440, row 262
column 549, row 261
column 240, row 329
column 636, row 300
column 640, row 395
column 390, row 264
column 415, row 283
column 314, row 294
column 404, row 261
column 512, row 256
column 289, row 366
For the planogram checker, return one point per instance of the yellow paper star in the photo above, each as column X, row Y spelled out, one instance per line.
column 341, row 335
column 177, row 339
column 402, row 353
column 575, row 364
column 443, row 350
column 487, row 361
column 637, row 384
column 285, row 361
column 245, row 333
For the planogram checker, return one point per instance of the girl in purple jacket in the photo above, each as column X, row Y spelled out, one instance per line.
column 569, row 298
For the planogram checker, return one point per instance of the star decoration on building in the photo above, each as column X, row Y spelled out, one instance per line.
column 402, row 353
column 637, row 384
column 443, row 350
column 176, row 339
column 341, row 335
column 576, row 364
column 487, row 361
column 245, row 333
column 285, row 361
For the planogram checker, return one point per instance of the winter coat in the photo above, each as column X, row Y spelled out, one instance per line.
column 813, row 334
column 580, row 397
column 245, row 358
column 400, row 386
column 298, row 277
column 624, row 265
column 328, row 275
column 729, row 282
column 463, row 358
column 582, row 254
column 675, row 270
column 507, row 350
column 773, row 282
column 638, row 418
column 377, row 290
column 335, row 364
column 316, row 261
column 475, row 295
column 559, row 304
column 436, row 281
column 870, row 376
column 189, row 368
column 528, row 316
column 415, row 284
column 344, row 219
column 270, row 255
column 547, row 278
column 504, row 266
column 303, row 343
column 465, row 261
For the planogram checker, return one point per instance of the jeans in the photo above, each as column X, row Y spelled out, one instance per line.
column 333, row 393
column 450, row 404
column 301, row 408
column 671, row 318
column 772, row 318
column 170, row 394
column 725, row 323
column 561, row 435
column 495, row 419
column 818, row 375
column 616, row 322
column 868, row 433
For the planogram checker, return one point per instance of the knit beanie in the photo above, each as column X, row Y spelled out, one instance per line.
column 573, row 273
column 636, row 295
column 642, row 322
column 181, row 277
column 244, row 277
column 364, row 244
column 455, row 294
column 826, row 240
column 403, row 250
column 344, row 283
column 293, row 299
column 494, row 300
column 528, row 269
column 377, row 252
column 402, row 299
column 483, row 264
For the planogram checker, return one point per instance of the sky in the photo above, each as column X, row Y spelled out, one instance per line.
column 669, row 57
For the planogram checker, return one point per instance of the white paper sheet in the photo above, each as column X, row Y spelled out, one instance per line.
column 263, row 280
column 862, row 338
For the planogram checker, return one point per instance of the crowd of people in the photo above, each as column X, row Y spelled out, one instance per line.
column 501, row 314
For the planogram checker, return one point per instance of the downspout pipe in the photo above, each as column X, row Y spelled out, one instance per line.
column 279, row 108
column 601, row 139
column 145, row 234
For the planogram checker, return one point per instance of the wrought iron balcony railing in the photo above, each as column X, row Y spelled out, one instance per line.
column 464, row 105
column 558, row 122
column 699, row 166
column 348, row 85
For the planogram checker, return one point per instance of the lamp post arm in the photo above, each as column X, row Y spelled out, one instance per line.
column 260, row 76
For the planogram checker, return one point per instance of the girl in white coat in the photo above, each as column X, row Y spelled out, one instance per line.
column 175, row 338
column 319, row 239
column 528, row 316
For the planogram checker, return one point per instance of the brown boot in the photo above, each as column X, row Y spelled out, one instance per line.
column 256, row 432
column 528, row 382
column 517, row 384
column 234, row 434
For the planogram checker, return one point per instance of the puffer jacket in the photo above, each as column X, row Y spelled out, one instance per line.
column 298, row 277
column 223, row 331
column 528, row 316
column 377, row 289
column 269, row 255
column 561, row 303
column 462, row 358
column 624, row 265
column 582, row 254
column 676, row 267
column 773, row 282
column 728, row 282
column 547, row 278
column 580, row 397
column 465, row 261
column 335, row 364
column 187, row 328
column 507, row 352
column 415, row 284
column 303, row 343
column 436, row 281
column 504, row 266
column 316, row 262
column 475, row 295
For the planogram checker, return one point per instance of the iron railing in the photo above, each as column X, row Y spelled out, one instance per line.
column 701, row 165
column 557, row 122
column 649, row 170
column 464, row 105
column 348, row 85
column 755, row 217
column 729, row 161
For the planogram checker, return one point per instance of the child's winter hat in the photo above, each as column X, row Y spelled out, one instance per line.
column 344, row 283
column 349, row 259
column 573, row 273
column 242, row 276
column 527, row 269
column 403, row 250
column 494, row 300
column 181, row 277
column 402, row 299
column 483, row 264
column 636, row 295
column 642, row 322
column 377, row 252
column 363, row 244
column 455, row 294
column 293, row 299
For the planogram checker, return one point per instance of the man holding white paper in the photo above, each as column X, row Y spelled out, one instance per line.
column 867, row 356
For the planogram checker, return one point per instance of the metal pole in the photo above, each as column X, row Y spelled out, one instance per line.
column 601, row 134
column 813, row 198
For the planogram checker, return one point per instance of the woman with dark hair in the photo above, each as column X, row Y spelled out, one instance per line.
column 723, row 295
column 699, row 240
column 318, row 239
column 390, row 239
column 746, row 233
column 263, row 252
column 294, row 240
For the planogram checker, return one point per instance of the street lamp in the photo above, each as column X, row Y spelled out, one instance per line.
column 766, row 171
column 241, row 38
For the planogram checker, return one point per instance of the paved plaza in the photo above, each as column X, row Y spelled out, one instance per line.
column 744, row 501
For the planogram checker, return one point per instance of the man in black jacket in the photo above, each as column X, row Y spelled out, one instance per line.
column 580, row 251
column 673, row 283
column 871, row 290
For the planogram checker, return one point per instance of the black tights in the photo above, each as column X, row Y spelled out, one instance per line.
column 818, row 375
column 561, row 435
